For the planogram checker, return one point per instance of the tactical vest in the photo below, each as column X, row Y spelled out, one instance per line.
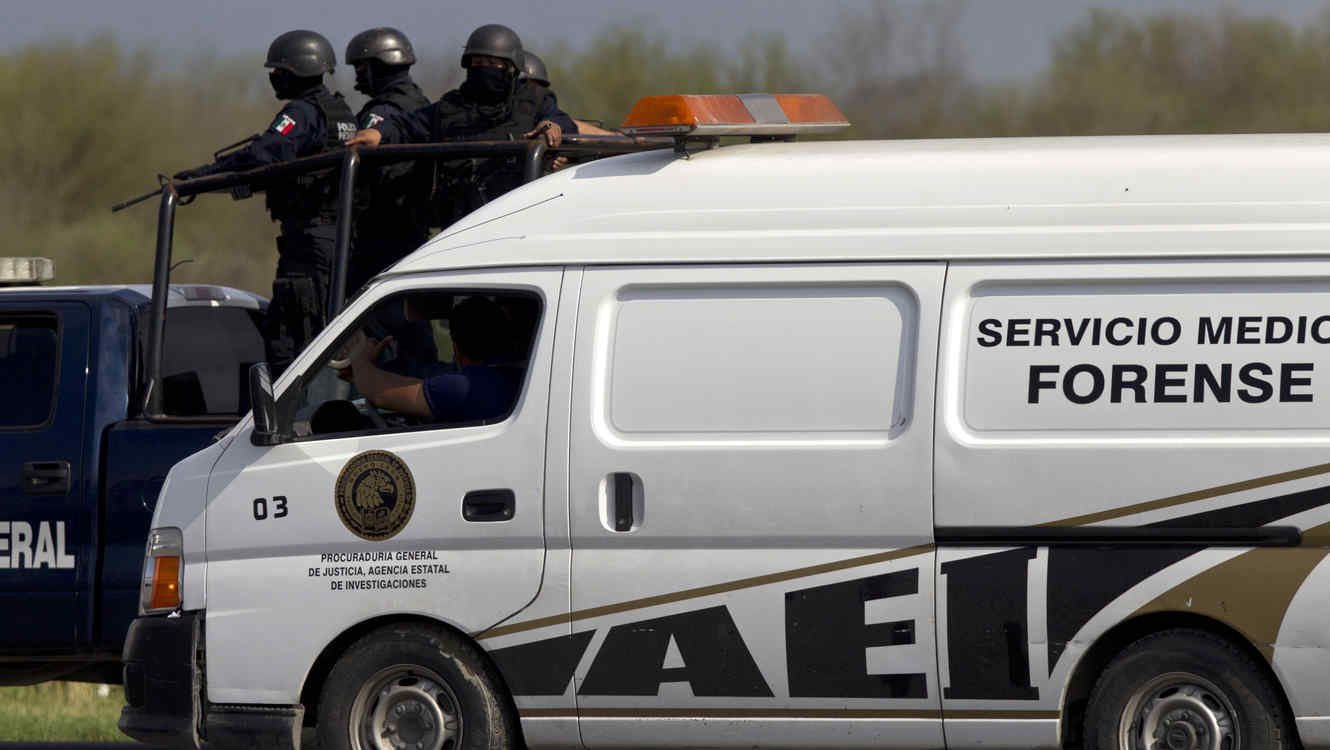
column 311, row 198
column 467, row 184
column 528, row 99
column 401, row 97
column 462, row 120
column 390, row 199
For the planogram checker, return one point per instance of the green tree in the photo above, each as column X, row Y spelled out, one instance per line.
column 105, row 122
column 1183, row 73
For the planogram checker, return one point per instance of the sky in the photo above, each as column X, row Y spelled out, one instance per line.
column 1003, row 39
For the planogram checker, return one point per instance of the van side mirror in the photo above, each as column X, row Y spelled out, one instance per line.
column 265, row 406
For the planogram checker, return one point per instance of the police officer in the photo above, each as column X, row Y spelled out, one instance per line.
column 314, row 120
column 390, row 220
column 537, row 89
column 485, row 107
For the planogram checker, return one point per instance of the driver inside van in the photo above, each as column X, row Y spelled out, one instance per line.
column 478, row 390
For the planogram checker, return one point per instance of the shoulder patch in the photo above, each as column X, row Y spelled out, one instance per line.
column 284, row 124
column 373, row 119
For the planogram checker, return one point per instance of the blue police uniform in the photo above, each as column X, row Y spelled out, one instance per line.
column 390, row 201
column 549, row 110
column 298, row 130
column 396, row 94
column 314, row 121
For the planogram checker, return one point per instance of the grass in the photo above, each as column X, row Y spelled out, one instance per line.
column 61, row 712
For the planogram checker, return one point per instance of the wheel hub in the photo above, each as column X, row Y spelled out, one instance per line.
column 1180, row 736
column 404, row 708
column 409, row 717
column 1179, row 712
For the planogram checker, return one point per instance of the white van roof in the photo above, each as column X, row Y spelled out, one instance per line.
column 1100, row 197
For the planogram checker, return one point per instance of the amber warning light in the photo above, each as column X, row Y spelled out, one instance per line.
column 160, row 591
column 734, row 114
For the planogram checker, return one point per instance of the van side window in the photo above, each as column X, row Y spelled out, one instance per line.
column 421, row 360
column 29, row 353
column 758, row 361
column 206, row 358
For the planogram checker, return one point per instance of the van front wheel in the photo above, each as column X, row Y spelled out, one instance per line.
column 1185, row 690
column 414, row 686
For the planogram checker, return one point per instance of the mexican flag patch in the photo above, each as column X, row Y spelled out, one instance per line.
column 284, row 124
column 373, row 120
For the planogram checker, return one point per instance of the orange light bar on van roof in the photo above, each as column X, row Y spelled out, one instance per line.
column 734, row 114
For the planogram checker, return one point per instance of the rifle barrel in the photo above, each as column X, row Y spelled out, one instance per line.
column 217, row 155
column 134, row 201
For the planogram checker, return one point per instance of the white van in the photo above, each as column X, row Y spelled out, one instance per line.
column 999, row 443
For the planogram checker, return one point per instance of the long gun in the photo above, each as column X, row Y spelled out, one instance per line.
column 224, row 150
column 239, row 192
column 135, row 201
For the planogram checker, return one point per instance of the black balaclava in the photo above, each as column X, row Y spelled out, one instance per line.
column 288, row 85
column 365, row 78
column 373, row 78
column 489, row 85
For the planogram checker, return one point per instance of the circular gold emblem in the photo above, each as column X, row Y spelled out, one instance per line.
column 375, row 495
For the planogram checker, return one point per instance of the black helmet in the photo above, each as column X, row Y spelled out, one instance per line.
column 496, row 41
column 533, row 69
column 302, row 53
column 388, row 46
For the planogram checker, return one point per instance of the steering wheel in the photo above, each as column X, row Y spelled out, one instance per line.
column 375, row 416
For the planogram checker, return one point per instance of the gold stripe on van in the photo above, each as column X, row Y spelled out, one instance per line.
column 1194, row 496
column 701, row 591
column 1250, row 592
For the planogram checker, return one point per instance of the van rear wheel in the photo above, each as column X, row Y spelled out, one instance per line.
column 1185, row 690
column 414, row 687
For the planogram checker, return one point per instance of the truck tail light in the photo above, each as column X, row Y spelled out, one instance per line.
column 162, row 571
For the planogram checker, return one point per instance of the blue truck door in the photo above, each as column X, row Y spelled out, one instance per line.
column 48, row 516
column 206, row 367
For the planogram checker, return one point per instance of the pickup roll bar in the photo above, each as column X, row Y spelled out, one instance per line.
column 342, row 248
column 531, row 154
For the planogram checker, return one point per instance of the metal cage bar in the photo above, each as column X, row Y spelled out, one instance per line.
column 342, row 251
column 161, row 279
column 530, row 153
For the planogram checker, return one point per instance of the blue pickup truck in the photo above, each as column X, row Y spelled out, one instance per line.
column 81, row 464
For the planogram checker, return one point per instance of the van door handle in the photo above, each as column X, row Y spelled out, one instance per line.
column 45, row 477
column 488, row 505
column 623, row 501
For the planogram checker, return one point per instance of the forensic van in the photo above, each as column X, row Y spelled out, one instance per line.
column 1012, row 443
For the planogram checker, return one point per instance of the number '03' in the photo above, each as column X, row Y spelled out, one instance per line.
column 261, row 507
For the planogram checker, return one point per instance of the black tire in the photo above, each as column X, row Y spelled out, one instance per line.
column 1186, row 683
column 400, row 669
